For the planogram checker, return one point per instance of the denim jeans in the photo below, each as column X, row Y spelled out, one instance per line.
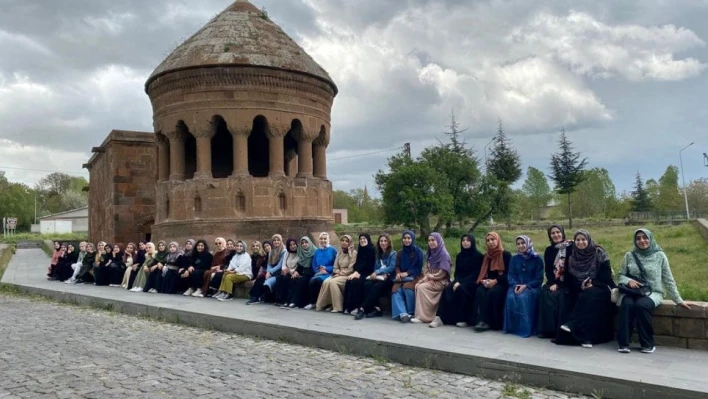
column 402, row 303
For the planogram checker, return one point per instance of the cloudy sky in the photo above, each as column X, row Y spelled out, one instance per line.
column 627, row 79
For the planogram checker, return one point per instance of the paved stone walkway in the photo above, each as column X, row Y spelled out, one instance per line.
column 59, row 351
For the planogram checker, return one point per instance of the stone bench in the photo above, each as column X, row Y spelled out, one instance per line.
column 679, row 327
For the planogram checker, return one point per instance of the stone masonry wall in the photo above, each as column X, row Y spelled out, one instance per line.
column 678, row 327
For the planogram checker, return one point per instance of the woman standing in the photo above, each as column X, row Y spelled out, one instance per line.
column 201, row 264
column 238, row 272
column 525, row 279
column 303, row 271
column 587, row 314
column 457, row 300
column 379, row 283
column 554, row 258
column 488, row 311
column 322, row 267
column 437, row 276
column 363, row 267
column 332, row 291
column 282, row 280
column 645, row 266
column 409, row 265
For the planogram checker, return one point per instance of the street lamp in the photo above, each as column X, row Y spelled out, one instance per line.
column 685, row 195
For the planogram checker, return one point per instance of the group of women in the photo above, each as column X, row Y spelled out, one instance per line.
column 490, row 291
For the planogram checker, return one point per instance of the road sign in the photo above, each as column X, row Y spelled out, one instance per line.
column 11, row 223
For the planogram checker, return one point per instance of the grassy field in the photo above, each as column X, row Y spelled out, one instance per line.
column 683, row 244
column 40, row 237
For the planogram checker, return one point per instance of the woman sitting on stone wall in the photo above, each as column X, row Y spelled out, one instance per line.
column 265, row 287
column 116, row 267
column 282, row 280
column 51, row 271
column 436, row 277
column 217, row 266
column 409, row 267
column 216, row 279
column 555, row 259
column 331, row 293
column 144, row 267
column 488, row 311
column 66, row 259
column 525, row 278
column 101, row 274
column 363, row 267
column 259, row 261
column 303, row 272
column 200, row 264
column 175, row 260
column 322, row 268
column 131, row 265
column 655, row 278
column 379, row 283
column 239, row 271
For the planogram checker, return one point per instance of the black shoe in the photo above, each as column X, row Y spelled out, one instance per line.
column 481, row 326
column 359, row 315
column 375, row 313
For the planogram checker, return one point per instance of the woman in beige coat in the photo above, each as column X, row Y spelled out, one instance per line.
column 332, row 292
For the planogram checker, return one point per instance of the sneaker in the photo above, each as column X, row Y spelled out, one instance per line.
column 623, row 350
column 189, row 292
column 217, row 295
column 198, row 293
column 359, row 316
column 136, row 289
column 226, row 297
column 481, row 326
column 437, row 322
column 78, row 281
column 587, row 345
column 284, row 306
column 565, row 328
column 405, row 318
column 354, row 312
column 415, row 320
column 309, row 307
column 292, row 306
column 69, row 281
column 649, row 350
column 152, row 291
column 251, row 301
column 462, row 324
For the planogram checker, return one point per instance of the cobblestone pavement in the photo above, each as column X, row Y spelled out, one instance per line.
column 49, row 350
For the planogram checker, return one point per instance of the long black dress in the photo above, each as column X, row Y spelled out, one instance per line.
column 550, row 301
column 116, row 269
column 456, row 306
column 64, row 270
column 489, row 302
column 365, row 265
column 101, row 275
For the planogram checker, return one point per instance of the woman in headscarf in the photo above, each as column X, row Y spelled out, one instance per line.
column 379, row 283
column 138, row 260
column 409, row 266
column 217, row 277
column 145, row 267
column 282, row 280
column 116, row 267
column 68, row 258
column 364, row 266
column 274, row 264
column 167, row 283
column 51, row 271
column 322, row 268
column 332, row 291
column 588, row 315
column 201, row 264
column 488, row 310
column 525, row 279
column 437, row 276
column 259, row 262
column 131, row 266
column 637, row 309
column 182, row 283
column 157, row 272
column 458, row 297
column 238, row 272
column 101, row 274
column 297, row 294
column 555, row 258
column 217, row 266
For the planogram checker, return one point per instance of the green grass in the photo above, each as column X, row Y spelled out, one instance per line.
column 40, row 237
column 5, row 257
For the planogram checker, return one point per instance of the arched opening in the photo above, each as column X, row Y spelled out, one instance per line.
column 145, row 229
column 282, row 202
column 240, row 203
column 290, row 144
column 190, row 151
column 258, row 151
column 222, row 149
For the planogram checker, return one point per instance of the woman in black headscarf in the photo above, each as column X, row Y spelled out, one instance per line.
column 201, row 264
column 363, row 266
column 555, row 258
column 457, row 302
column 587, row 313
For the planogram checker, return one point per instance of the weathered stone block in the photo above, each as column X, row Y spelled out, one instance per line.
column 699, row 344
column 663, row 325
column 677, row 342
column 689, row 328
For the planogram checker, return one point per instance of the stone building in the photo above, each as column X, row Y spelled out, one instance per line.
column 242, row 121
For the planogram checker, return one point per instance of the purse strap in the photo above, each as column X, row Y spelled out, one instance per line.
column 640, row 265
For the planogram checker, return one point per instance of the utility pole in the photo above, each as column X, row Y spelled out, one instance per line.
column 685, row 194
column 407, row 149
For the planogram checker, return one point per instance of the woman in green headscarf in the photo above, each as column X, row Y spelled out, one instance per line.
column 639, row 308
column 305, row 253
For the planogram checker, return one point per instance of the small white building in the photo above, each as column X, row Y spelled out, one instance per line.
column 341, row 216
column 74, row 221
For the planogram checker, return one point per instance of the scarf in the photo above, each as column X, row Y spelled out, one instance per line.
column 275, row 253
column 493, row 259
column 653, row 245
column 366, row 255
column 243, row 244
column 161, row 256
column 467, row 258
column 171, row 257
column 304, row 256
column 191, row 251
column 326, row 236
column 439, row 258
column 412, row 255
column 559, row 261
column 530, row 252
column 287, row 245
column 583, row 262
column 345, row 251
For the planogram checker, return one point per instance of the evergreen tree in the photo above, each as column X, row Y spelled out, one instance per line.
column 504, row 162
column 567, row 170
column 456, row 144
column 640, row 196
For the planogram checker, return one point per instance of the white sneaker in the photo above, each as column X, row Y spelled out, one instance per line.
column 437, row 322
column 70, row 281
column 355, row 312
column 623, row 350
column 136, row 289
column 292, row 306
column 198, row 293
column 648, row 350
column 189, row 292
column 587, row 345
column 415, row 320
column 152, row 291
column 565, row 328
column 462, row 324
column 309, row 307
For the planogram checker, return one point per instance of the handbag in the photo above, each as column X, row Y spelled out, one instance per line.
column 644, row 290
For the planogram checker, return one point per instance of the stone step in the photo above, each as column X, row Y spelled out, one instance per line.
column 29, row 244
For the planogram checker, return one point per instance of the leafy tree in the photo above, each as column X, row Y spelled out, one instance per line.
column 52, row 192
column 567, row 171
column 640, row 196
column 697, row 193
column 594, row 196
column 360, row 206
column 669, row 193
column 653, row 191
column 17, row 200
column 536, row 191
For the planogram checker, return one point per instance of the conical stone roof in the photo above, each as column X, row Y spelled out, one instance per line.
column 241, row 35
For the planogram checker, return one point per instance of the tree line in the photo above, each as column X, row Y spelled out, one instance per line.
column 55, row 193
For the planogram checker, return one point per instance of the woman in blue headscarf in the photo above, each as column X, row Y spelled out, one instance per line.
column 409, row 265
column 525, row 278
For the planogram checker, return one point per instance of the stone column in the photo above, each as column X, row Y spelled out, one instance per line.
column 163, row 157
column 276, row 134
column 177, row 140
column 319, row 149
column 240, row 139
column 290, row 163
column 304, row 156
column 203, row 136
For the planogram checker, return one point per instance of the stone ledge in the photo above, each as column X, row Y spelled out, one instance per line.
column 703, row 227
